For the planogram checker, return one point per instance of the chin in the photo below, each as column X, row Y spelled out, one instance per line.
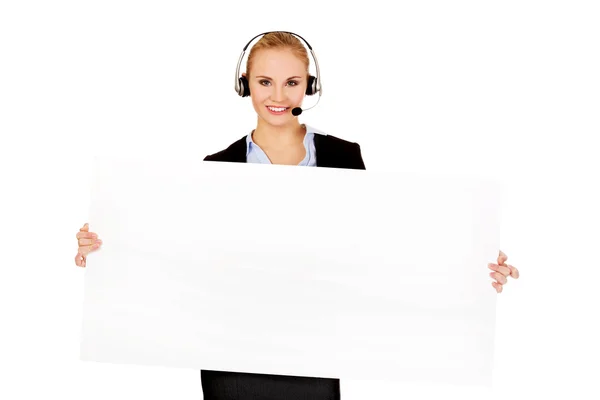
column 281, row 120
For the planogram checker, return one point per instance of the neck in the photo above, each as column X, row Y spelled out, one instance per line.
column 277, row 137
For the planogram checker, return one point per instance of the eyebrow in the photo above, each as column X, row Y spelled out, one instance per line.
column 291, row 77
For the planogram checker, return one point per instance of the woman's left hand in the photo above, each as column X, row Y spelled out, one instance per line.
column 501, row 271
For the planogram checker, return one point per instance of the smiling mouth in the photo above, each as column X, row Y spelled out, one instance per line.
column 277, row 110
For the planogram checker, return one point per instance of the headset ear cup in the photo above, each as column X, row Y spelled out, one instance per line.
column 311, row 86
column 244, row 87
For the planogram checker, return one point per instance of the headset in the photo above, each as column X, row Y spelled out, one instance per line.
column 314, row 83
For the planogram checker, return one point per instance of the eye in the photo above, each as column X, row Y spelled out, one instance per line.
column 294, row 83
column 264, row 82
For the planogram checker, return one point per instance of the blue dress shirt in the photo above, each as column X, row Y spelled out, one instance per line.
column 254, row 154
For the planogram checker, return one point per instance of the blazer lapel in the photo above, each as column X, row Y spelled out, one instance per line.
column 236, row 152
column 322, row 150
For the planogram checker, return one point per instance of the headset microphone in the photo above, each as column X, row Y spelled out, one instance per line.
column 297, row 110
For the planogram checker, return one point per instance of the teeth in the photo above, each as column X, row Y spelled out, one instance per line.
column 276, row 109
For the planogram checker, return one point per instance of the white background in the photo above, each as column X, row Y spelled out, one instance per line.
column 509, row 89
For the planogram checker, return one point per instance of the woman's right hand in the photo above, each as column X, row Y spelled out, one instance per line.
column 87, row 242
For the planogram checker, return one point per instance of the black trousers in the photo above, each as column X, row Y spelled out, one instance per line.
column 219, row 385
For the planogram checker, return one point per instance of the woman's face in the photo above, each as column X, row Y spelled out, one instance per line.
column 277, row 81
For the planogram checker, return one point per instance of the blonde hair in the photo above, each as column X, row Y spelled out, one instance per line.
column 278, row 41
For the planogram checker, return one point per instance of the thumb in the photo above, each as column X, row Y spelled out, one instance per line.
column 502, row 258
column 85, row 228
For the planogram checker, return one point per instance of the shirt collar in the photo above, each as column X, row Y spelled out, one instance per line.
column 310, row 133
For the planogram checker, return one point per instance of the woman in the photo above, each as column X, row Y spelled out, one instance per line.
column 277, row 79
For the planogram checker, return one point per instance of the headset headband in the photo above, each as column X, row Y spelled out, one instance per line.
column 237, row 70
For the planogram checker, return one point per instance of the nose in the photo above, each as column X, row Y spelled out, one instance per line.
column 277, row 94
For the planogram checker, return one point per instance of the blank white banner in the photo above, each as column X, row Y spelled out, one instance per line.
column 292, row 270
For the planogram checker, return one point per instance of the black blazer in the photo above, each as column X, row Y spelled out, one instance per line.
column 332, row 152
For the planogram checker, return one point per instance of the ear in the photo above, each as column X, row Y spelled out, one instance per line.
column 311, row 86
column 244, row 86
